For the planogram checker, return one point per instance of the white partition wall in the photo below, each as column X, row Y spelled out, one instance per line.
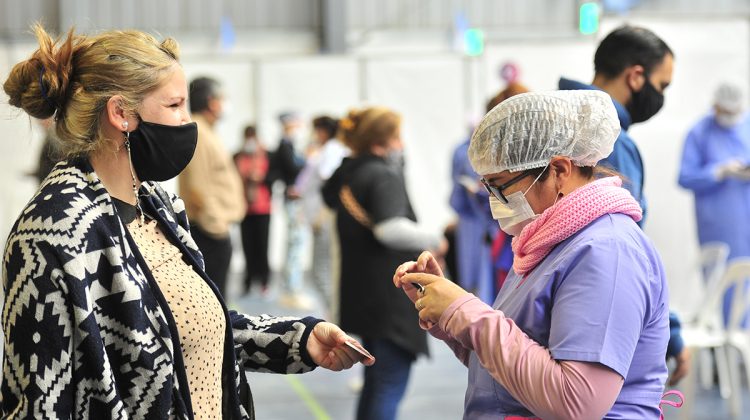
column 309, row 85
column 20, row 141
column 429, row 94
column 540, row 63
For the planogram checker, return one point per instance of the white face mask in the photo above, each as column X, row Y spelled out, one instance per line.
column 728, row 120
column 515, row 215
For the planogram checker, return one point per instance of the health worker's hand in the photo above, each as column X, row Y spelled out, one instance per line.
column 743, row 174
column 327, row 348
column 732, row 169
column 426, row 263
column 438, row 294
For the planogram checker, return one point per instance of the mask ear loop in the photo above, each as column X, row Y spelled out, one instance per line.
column 559, row 194
column 142, row 218
column 536, row 179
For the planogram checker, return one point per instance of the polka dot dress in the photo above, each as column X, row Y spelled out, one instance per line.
column 197, row 312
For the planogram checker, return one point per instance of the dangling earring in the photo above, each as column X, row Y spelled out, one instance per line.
column 126, row 134
column 138, row 208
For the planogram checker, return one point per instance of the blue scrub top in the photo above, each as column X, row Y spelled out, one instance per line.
column 722, row 208
column 599, row 296
column 475, row 225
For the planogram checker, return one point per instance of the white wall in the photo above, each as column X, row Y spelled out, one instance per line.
column 434, row 91
column 428, row 93
column 19, row 147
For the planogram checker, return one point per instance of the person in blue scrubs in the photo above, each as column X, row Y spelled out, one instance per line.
column 716, row 168
column 475, row 227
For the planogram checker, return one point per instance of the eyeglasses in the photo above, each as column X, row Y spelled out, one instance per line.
column 498, row 191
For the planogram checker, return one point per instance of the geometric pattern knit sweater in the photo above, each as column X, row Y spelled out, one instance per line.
column 88, row 333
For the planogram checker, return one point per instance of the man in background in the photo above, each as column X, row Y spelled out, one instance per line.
column 634, row 66
column 210, row 185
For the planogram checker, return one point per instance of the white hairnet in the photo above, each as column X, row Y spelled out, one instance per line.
column 527, row 130
column 729, row 97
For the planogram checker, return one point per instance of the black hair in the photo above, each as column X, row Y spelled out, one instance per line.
column 587, row 172
column 330, row 125
column 202, row 90
column 627, row 46
column 249, row 131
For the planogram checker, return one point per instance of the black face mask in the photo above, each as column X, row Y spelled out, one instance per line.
column 645, row 103
column 160, row 152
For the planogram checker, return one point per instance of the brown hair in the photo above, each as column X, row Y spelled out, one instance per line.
column 513, row 89
column 364, row 128
column 588, row 172
column 73, row 78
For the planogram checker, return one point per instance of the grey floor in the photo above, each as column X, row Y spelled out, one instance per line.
column 435, row 391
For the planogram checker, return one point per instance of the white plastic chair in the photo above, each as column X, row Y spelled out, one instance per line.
column 738, row 332
column 703, row 328
column 710, row 269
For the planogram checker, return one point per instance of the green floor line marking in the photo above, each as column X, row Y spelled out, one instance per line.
column 310, row 401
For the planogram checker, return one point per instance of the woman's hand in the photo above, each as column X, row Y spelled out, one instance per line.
column 426, row 263
column 327, row 348
column 437, row 292
column 426, row 270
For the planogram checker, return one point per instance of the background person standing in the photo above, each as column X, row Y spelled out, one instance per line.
column 210, row 185
column 286, row 166
column 325, row 157
column 252, row 165
column 715, row 167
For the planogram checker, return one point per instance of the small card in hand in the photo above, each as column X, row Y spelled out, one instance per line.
column 361, row 350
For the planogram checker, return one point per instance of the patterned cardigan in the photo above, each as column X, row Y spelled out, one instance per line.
column 88, row 334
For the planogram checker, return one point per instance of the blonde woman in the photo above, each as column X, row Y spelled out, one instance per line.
column 108, row 310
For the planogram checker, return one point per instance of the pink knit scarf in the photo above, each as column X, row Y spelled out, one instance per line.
column 570, row 214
